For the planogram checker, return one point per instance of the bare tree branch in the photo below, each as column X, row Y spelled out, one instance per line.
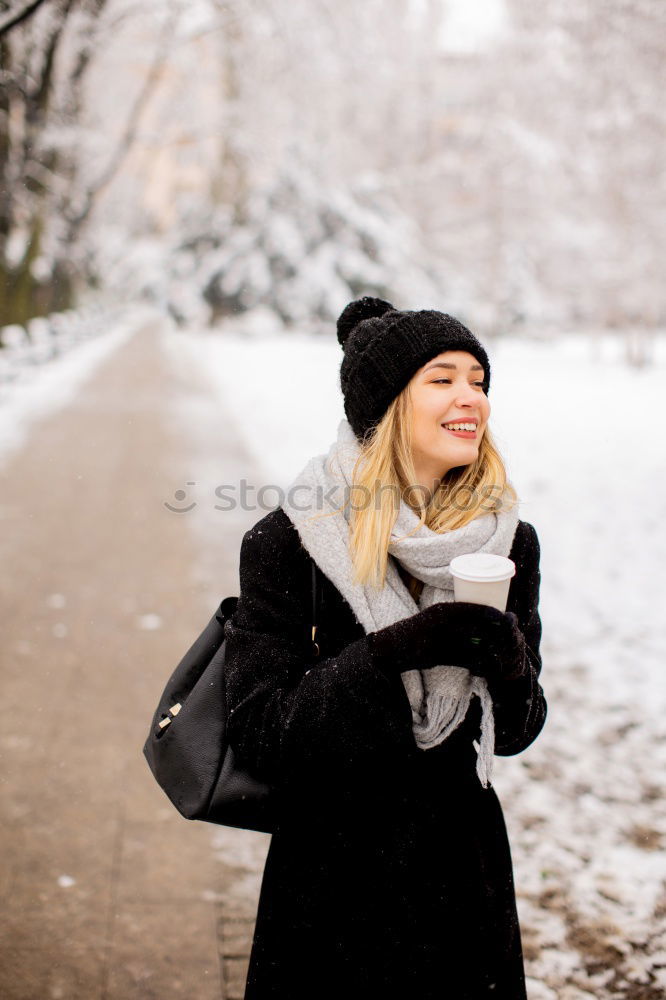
column 12, row 18
column 41, row 94
column 131, row 127
column 83, row 59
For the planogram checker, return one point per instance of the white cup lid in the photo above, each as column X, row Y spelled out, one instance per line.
column 483, row 567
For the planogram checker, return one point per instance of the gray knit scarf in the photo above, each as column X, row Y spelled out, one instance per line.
column 439, row 696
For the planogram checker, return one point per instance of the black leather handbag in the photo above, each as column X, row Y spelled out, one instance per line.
column 187, row 748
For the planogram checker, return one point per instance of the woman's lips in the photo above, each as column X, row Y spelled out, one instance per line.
column 461, row 434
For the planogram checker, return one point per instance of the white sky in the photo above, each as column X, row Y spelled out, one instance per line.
column 470, row 25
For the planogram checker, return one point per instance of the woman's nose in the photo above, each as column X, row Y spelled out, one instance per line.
column 466, row 396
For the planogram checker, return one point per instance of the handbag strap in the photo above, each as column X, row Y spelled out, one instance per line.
column 315, row 615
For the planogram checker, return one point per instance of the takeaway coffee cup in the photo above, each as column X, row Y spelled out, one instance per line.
column 482, row 578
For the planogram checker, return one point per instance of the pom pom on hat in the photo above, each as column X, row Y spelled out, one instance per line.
column 357, row 311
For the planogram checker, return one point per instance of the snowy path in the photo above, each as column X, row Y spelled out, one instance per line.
column 44, row 389
column 107, row 894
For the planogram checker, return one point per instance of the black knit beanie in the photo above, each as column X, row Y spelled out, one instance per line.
column 384, row 347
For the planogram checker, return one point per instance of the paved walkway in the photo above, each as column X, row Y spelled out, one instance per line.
column 107, row 892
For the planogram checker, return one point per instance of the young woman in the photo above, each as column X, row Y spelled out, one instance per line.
column 389, row 873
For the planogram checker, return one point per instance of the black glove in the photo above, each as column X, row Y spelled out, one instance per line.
column 486, row 641
column 501, row 646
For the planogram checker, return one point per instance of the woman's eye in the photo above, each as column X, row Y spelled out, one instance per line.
column 436, row 380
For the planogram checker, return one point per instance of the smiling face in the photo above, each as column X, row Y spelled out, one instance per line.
column 447, row 389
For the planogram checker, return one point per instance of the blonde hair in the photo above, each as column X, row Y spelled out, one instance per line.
column 383, row 474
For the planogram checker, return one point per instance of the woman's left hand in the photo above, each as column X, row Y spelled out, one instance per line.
column 498, row 644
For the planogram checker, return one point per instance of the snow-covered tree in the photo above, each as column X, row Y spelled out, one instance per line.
column 52, row 167
column 580, row 113
column 289, row 153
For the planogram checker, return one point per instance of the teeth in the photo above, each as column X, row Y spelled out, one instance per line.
column 461, row 427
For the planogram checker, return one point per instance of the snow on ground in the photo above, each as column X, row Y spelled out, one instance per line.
column 582, row 437
column 42, row 389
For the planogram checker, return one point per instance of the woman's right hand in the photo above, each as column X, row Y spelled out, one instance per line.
column 456, row 633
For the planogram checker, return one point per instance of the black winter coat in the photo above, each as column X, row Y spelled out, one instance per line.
column 389, row 873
